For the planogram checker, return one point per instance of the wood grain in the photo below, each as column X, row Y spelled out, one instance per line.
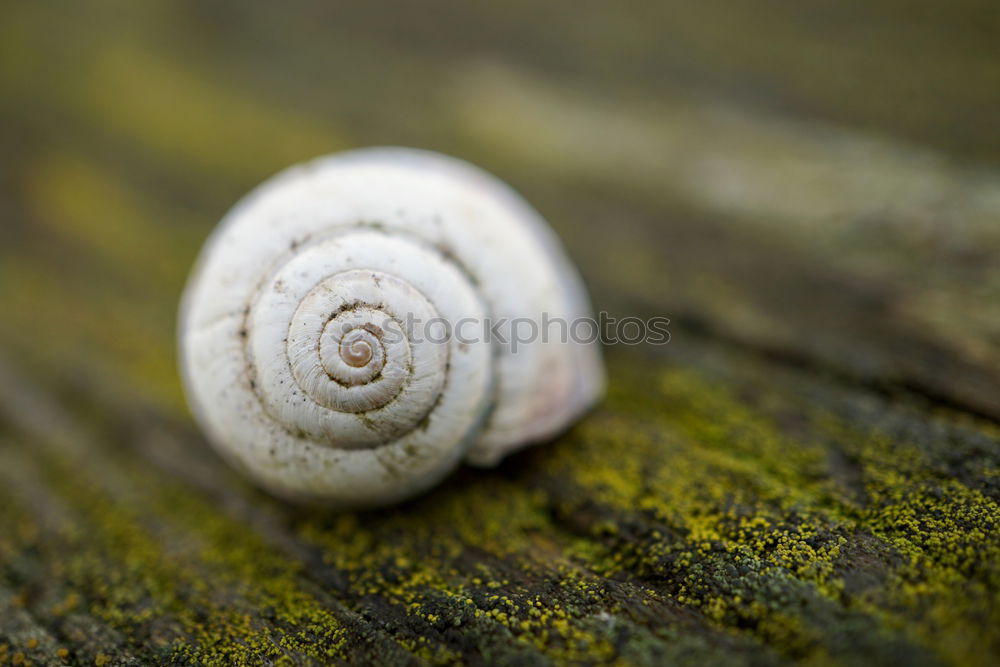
column 809, row 472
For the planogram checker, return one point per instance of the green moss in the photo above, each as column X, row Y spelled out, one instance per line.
column 750, row 526
column 197, row 587
column 718, row 508
column 685, row 518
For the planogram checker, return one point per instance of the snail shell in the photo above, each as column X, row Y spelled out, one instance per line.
column 297, row 356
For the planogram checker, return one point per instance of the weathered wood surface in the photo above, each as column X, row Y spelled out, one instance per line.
column 809, row 472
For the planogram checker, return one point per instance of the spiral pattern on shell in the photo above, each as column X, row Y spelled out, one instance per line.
column 334, row 357
column 318, row 342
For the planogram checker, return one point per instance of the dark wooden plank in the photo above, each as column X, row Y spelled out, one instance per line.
column 808, row 472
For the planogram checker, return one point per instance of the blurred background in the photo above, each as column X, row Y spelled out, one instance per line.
column 810, row 471
column 818, row 177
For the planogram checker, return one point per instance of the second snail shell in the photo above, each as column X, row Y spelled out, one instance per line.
column 295, row 349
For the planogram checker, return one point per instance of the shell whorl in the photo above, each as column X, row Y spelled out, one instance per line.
column 317, row 330
column 340, row 355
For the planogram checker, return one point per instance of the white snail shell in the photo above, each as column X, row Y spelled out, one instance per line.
column 294, row 350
